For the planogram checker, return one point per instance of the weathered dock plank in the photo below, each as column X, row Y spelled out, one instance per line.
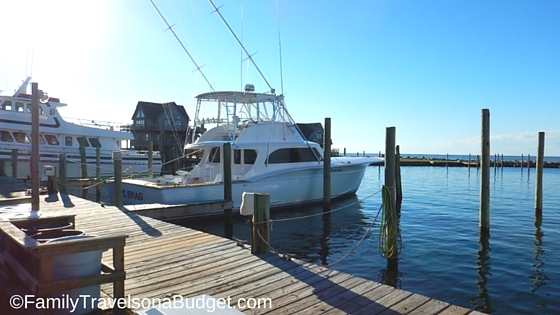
column 164, row 260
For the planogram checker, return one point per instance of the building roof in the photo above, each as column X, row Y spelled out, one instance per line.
column 155, row 110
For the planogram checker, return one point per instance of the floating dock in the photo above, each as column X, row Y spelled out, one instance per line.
column 164, row 260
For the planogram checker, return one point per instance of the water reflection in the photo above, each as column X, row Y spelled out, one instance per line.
column 324, row 241
column 481, row 302
column 539, row 278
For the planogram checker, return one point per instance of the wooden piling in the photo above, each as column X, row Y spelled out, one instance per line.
column 327, row 166
column 390, row 161
column 150, row 159
column 62, row 172
column 261, row 217
column 398, row 185
column 83, row 162
column 521, row 163
column 469, row 164
column 539, row 177
column 484, row 218
column 98, row 174
column 390, row 174
column 228, row 194
column 117, row 162
column 35, row 146
column 14, row 163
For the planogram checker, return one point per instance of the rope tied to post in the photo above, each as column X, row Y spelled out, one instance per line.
column 390, row 242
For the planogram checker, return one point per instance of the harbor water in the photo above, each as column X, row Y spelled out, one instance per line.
column 514, row 271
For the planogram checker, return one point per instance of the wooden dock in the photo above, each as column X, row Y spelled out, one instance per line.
column 166, row 260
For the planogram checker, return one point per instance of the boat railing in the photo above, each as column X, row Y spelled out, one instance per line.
column 101, row 124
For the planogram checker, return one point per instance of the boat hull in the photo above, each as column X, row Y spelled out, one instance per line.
column 287, row 189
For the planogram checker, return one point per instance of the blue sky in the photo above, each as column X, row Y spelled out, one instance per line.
column 426, row 67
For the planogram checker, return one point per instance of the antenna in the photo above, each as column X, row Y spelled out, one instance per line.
column 169, row 27
column 216, row 9
column 279, row 48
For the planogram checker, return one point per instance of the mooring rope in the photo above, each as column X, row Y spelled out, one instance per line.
column 389, row 232
column 287, row 257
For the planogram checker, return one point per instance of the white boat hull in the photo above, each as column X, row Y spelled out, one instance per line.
column 285, row 190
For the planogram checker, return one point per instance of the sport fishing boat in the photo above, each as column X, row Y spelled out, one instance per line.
column 268, row 155
column 58, row 136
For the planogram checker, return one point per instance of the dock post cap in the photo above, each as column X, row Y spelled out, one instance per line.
column 117, row 156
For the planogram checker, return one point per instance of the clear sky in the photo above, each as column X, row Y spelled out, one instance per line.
column 425, row 67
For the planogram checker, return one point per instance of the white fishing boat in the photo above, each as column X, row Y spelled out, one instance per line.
column 59, row 136
column 269, row 155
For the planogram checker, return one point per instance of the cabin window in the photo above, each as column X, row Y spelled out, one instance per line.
column 317, row 154
column 237, row 156
column 7, row 105
column 30, row 109
column 95, row 142
column 21, row 137
column 292, row 155
column 214, row 156
column 52, row 140
column 6, row 136
column 19, row 107
column 83, row 142
column 249, row 156
column 68, row 141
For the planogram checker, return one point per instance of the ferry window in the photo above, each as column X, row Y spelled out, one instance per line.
column 249, row 156
column 292, row 155
column 95, row 142
column 6, row 136
column 21, row 137
column 52, row 140
column 68, row 141
column 214, row 155
column 83, row 142
column 7, row 105
column 30, row 109
column 237, row 156
column 19, row 107
column 41, row 139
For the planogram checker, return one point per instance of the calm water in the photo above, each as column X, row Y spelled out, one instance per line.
column 515, row 271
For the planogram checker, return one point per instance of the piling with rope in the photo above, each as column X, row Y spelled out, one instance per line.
column 261, row 230
column 389, row 222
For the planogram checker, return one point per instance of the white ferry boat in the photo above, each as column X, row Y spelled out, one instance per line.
column 58, row 136
column 269, row 155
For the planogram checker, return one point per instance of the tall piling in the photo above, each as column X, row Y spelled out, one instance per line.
column 327, row 166
column 35, row 146
column 228, row 192
column 484, row 218
column 390, row 183
column 398, row 185
column 539, row 177
column 117, row 162
column 98, row 174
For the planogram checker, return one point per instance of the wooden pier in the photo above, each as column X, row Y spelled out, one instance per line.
column 165, row 260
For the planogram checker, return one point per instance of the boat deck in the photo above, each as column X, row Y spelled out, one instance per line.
column 167, row 260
